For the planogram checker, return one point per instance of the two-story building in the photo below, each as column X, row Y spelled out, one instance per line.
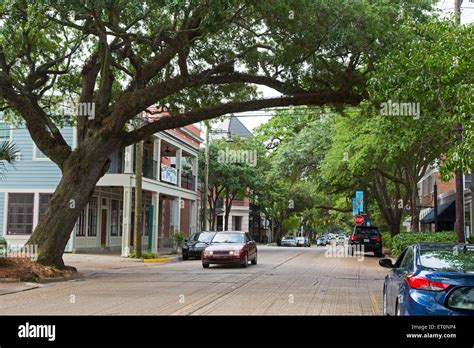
column 170, row 163
column 228, row 128
column 446, row 194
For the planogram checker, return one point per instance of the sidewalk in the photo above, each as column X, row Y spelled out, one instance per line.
column 16, row 286
column 110, row 260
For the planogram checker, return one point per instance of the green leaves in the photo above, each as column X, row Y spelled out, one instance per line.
column 433, row 66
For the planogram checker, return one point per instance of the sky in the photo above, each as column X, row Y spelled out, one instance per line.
column 253, row 119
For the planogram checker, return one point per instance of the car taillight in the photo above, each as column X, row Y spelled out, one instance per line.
column 378, row 239
column 421, row 283
column 354, row 238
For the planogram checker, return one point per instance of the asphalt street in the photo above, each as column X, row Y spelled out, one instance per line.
column 286, row 281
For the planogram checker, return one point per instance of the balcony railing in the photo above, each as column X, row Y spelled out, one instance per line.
column 188, row 181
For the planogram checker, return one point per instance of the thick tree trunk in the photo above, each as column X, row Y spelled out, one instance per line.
column 81, row 172
column 394, row 229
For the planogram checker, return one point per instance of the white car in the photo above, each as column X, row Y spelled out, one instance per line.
column 340, row 239
column 288, row 241
column 302, row 241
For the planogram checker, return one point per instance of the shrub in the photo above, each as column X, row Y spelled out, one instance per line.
column 3, row 247
column 402, row 240
column 386, row 240
column 178, row 238
column 145, row 255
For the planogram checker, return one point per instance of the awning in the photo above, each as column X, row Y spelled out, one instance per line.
column 446, row 213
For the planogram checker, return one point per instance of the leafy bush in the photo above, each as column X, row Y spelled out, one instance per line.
column 145, row 255
column 178, row 238
column 3, row 241
column 386, row 240
column 402, row 240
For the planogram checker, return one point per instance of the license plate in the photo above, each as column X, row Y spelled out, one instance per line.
column 366, row 240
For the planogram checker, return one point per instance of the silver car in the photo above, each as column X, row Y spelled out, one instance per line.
column 288, row 241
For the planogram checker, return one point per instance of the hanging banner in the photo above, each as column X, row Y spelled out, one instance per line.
column 359, row 197
column 169, row 174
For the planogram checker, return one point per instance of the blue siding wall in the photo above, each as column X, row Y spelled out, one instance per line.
column 29, row 173
column 2, row 200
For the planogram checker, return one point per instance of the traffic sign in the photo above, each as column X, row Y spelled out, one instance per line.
column 358, row 219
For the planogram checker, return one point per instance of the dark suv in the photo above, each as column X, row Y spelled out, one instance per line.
column 367, row 236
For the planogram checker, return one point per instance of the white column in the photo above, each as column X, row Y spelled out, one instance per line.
column 193, row 216
column 178, row 213
column 156, row 210
column 179, row 154
column 195, row 172
column 157, row 156
column 127, row 219
column 128, row 167
column 35, row 210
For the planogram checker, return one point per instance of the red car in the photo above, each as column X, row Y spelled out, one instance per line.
column 230, row 247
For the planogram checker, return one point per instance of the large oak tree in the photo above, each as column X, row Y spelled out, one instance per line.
column 203, row 59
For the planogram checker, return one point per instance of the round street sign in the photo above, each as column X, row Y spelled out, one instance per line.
column 358, row 219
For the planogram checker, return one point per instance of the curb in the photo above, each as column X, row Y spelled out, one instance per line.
column 163, row 259
column 41, row 281
column 59, row 279
column 10, row 280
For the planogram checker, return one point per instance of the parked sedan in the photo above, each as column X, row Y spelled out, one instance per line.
column 430, row 279
column 230, row 247
column 194, row 246
column 288, row 241
column 322, row 241
column 303, row 241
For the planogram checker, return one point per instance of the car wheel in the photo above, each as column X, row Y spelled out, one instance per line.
column 378, row 254
column 254, row 261
column 384, row 302
column 246, row 262
column 205, row 265
column 185, row 257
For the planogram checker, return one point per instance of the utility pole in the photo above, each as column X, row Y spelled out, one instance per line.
column 206, row 174
column 435, row 198
column 138, row 199
column 459, row 224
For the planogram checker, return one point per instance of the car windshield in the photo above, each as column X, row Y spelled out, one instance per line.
column 201, row 237
column 205, row 236
column 228, row 238
column 288, row 237
column 455, row 259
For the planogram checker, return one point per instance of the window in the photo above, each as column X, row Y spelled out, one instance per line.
column 237, row 222
column 92, row 218
column 115, row 217
column 425, row 187
column 4, row 132
column 145, row 219
column 432, row 183
column 120, row 228
column 38, row 155
column 20, row 213
column 407, row 261
column 81, row 224
column 44, row 199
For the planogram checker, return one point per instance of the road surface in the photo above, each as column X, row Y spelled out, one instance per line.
column 286, row 281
